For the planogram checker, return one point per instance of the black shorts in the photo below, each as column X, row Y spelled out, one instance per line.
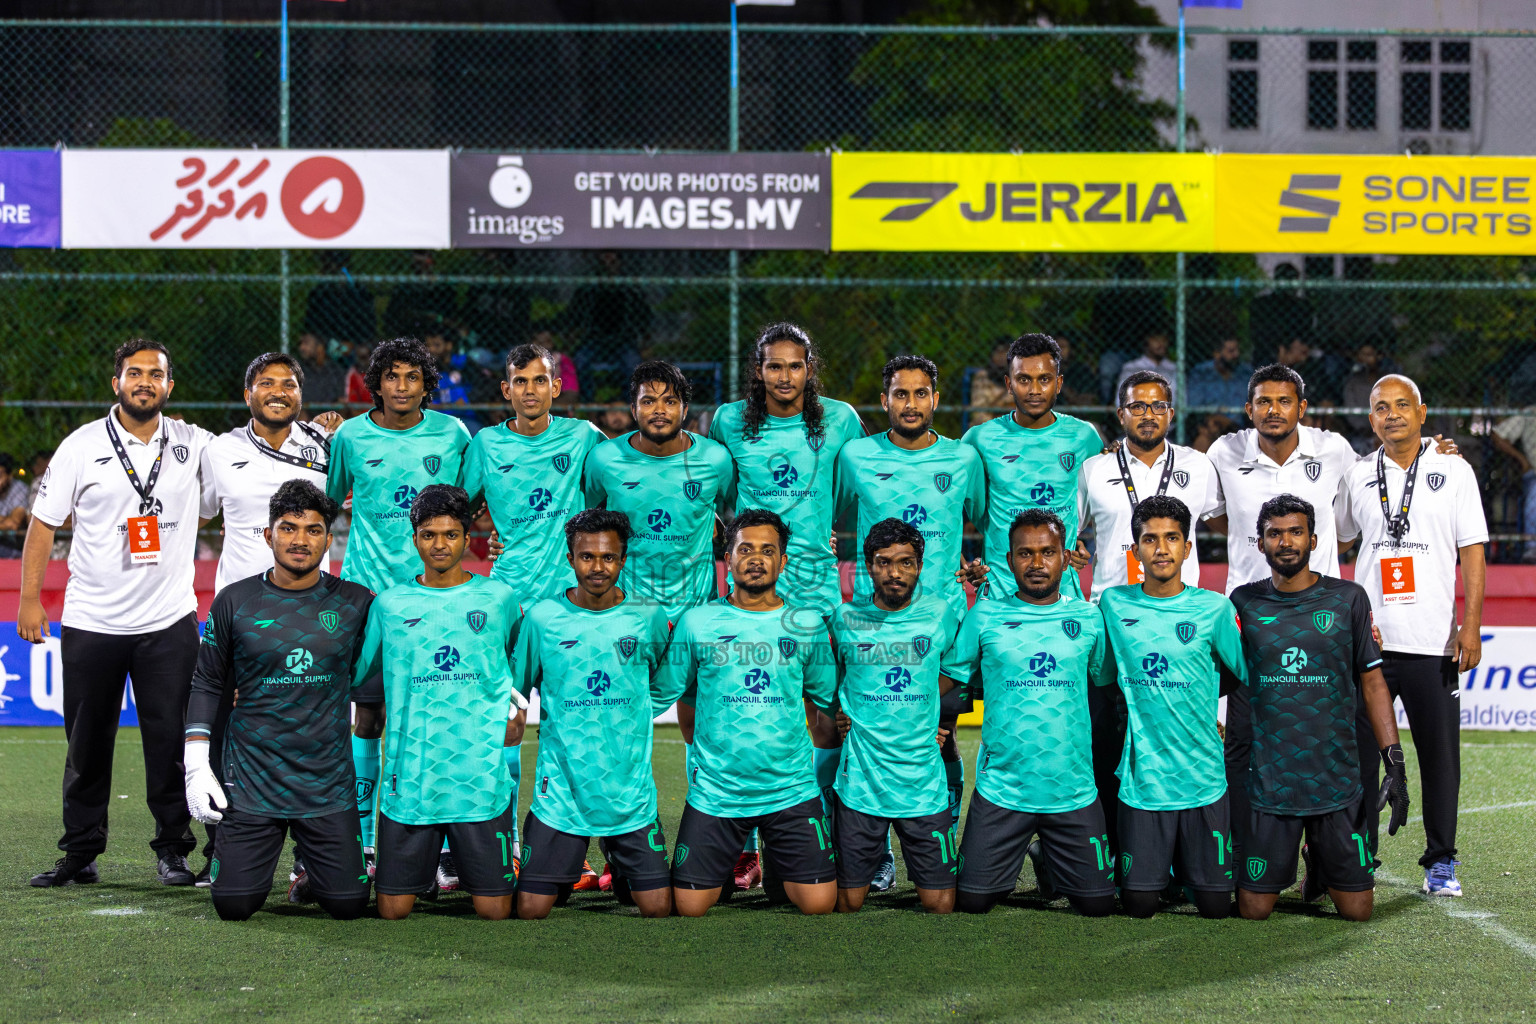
column 1338, row 842
column 796, row 844
column 482, row 851
column 247, row 847
column 1075, row 843
column 927, row 847
column 552, row 859
column 1195, row 843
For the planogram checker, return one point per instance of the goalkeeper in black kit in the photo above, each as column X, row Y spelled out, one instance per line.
column 285, row 641
column 1311, row 661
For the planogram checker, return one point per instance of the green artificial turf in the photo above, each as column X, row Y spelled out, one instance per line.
column 128, row 949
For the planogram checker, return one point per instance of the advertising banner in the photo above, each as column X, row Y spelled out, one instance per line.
column 1031, row 202
column 1446, row 205
column 592, row 201
column 29, row 199
column 255, row 199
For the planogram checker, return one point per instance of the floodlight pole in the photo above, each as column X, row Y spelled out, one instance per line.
column 1179, row 290
column 733, row 358
column 282, row 142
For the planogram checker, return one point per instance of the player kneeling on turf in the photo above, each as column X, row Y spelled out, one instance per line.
column 1035, row 652
column 888, row 685
column 444, row 641
column 740, row 664
column 286, row 640
column 592, row 652
column 1308, row 642
column 1170, row 644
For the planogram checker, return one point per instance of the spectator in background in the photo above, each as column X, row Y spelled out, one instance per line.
column 615, row 420
column 564, row 367
column 989, row 384
column 1154, row 357
column 339, row 311
column 425, row 299
column 1282, row 317
column 452, row 395
column 1221, row 379
column 1515, row 436
column 1319, row 369
column 1370, row 365
column 13, row 507
column 324, row 381
column 497, row 316
column 357, row 392
column 1211, row 427
column 1122, row 318
column 1079, row 384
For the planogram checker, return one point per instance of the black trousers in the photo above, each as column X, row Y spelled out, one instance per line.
column 96, row 667
column 1237, row 752
column 1107, row 715
column 1431, row 696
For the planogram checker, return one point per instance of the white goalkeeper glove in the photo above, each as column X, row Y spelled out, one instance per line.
column 204, row 793
column 519, row 703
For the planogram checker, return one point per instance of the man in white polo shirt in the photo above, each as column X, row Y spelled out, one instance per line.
column 241, row 471
column 1417, row 512
column 1109, row 487
column 130, row 482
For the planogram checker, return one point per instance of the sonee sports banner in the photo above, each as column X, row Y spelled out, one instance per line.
column 1032, row 202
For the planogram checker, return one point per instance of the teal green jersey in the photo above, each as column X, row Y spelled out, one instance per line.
column 532, row 485
column 747, row 675
column 671, row 503
column 446, row 655
column 384, row 470
column 784, row 469
column 593, row 672
column 888, row 686
column 1031, row 469
column 935, row 489
column 1035, row 664
column 1168, row 652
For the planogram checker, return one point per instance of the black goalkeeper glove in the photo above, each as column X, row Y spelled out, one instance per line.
column 1394, row 788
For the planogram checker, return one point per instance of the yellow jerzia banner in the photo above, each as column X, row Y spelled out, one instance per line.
column 1366, row 204
column 979, row 202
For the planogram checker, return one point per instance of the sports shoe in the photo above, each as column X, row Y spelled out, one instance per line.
column 370, row 861
column 588, row 882
column 68, row 870
column 605, row 880
column 1312, row 887
column 447, row 872
column 885, row 874
column 1440, row 878
column 298, row 866
column 1042, row 874
column 173, row 870
column 748, row 872
column 204, row 878
column 298, row 889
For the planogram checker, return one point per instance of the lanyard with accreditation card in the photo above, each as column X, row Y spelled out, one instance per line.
column 1134, row 571
column 144, row 528
column 282, row 456
column 1397, row 583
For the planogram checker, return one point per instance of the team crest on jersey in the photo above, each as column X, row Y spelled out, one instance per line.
column 922, row 645
column 816, row 442
column 330, row 621
column 1435, row 481
column 1180, row 478
column 1256, row 868
column 1068, row 460
column 1314, row 469
column 942, row 481
column 1185, row 631
column 628, row 645
column 476, row 620
column 432, row 463
column 692, row 489
column 1323, row 621
column 562, row 462
column 788, row 646
column 310, row 453
column 180, row 451
column 1072, row 628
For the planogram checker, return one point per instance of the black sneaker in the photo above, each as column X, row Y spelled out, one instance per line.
column 299, row 890
column 1312, row 887
column 205, row 876
column 1042, row 875
column 173, row 870
column 68, row 870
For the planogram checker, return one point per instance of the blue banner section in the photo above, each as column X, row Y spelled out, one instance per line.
column 32, row 681
column 30, row 209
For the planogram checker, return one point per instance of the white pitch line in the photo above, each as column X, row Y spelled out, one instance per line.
column 1482, row 810
column 1486, row 921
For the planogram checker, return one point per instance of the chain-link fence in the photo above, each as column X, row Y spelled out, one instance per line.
column 1460, row 325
